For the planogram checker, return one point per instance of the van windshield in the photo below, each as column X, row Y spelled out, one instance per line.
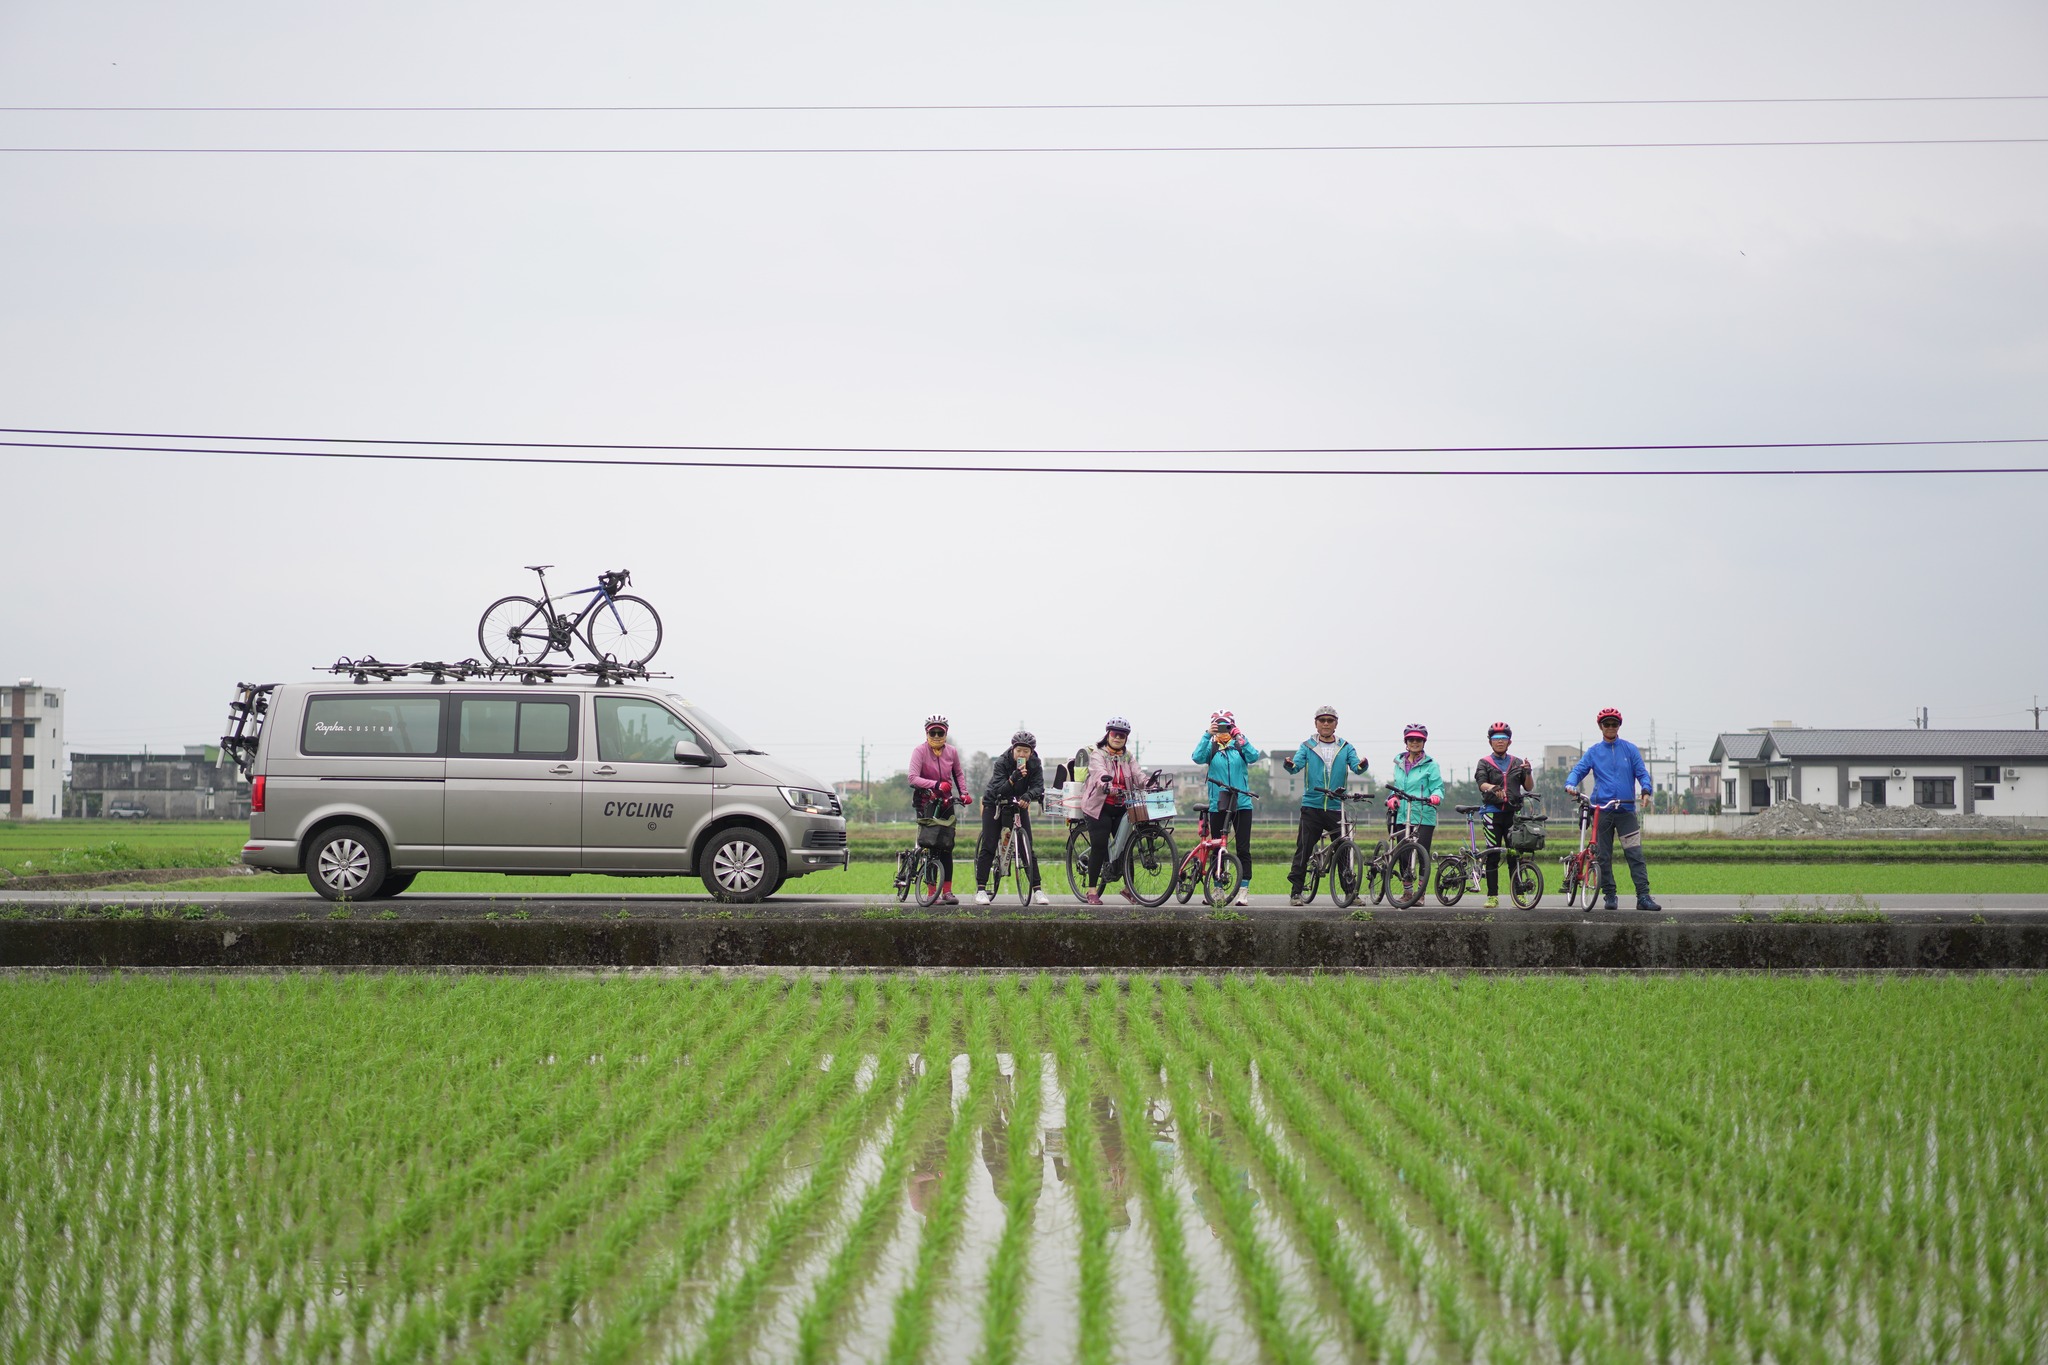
column 718, row 730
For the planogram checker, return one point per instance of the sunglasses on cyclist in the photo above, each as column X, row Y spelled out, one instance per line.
column 936, row 731
column 1610, row 725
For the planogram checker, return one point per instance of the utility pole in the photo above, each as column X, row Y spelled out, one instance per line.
column 2036, row 709
column 866, row 795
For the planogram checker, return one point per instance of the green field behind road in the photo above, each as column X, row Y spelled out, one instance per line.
column 708, row 1167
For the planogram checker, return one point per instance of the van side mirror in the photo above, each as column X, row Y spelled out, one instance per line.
column 689, row 753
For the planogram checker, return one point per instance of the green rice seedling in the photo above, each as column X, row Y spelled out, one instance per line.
column 1003, row 1310
column 879, row 1208
column 1085, row 1161
column 910, row 1323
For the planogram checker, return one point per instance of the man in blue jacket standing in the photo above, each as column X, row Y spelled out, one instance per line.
column 1618, row 772
column 1326, row 764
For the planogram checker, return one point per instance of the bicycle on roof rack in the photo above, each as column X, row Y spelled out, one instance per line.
column 611, row 624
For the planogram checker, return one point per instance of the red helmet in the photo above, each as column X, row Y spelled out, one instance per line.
column 1607, row 713
column 1501, row 728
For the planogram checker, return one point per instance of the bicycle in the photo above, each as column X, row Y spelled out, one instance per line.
column 615, row 626
column 1014, row 855
column 918, row 868
column 1337, row 857
column 1581, row 868
column 1460, row 870
column 1398, row 857
column 1141, row 854
column 1210, row 862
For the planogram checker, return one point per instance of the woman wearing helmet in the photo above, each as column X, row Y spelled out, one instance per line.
column 1503, row 781
column 1420, row 784
column 1113, row 778
column 937, row 781
column 1229, row 756
column 1017, row 779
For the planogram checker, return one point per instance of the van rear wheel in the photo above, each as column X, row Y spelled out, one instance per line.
column 741, row 866
column 347, row 863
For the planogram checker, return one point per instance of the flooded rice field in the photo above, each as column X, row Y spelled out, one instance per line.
column 411, row 1168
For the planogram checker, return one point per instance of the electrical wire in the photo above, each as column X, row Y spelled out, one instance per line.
column 868, row 467
column 978, row 108
column 1028, row 151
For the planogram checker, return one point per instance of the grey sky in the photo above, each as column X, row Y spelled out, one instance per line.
column 1322, row 299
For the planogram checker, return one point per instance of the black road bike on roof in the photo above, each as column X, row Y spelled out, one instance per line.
column 611, row 624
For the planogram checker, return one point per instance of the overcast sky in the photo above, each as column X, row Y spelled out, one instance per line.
column 1320, row 299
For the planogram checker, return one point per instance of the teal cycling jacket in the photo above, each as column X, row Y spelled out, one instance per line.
column 1309, row 764
column 1232, row 765
column 1418, row 783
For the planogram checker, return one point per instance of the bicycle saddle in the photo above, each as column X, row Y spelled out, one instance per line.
column 1468, row 810
column 536, row 568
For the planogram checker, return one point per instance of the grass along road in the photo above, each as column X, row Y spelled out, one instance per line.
column 825, row 1168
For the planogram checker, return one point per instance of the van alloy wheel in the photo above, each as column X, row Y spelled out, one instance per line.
column 345, row 865
column 347, row 862
column 738, row 866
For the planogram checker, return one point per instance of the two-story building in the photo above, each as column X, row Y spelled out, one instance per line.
column 1985, row 772
column 202, row 783
column 31, row 751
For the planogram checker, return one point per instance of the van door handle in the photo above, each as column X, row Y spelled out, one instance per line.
column 561, row 770
column 606, row 770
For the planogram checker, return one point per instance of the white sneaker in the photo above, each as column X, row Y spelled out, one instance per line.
column 1039, row 897
column 984, row 898
column 1244, row 895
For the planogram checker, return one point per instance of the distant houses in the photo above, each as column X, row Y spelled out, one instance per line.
column 1983, row 772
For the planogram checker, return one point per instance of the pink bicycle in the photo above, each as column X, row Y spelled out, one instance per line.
column 1211, row 865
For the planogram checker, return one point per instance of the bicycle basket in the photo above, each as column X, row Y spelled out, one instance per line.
column 1527, row 834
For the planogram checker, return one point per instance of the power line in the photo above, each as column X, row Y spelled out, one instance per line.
column 1020, row 450
column 1027, row 151
column 863, row 467
column 978, row 108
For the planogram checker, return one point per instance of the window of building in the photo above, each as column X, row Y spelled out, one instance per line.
column 373, row 726
column 1936, row 792
column 505, row 727
column 1987, row 783
column 6, row 762
column 1778, row 787
column 28, row 760
column 1988, row 773
column 1873, row 790
column 6, row 729
column 49, row 701
column 1728, row 793
column 28, row 796
column 1759, row 792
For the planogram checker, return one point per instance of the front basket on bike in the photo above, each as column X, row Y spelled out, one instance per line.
column 1527, row 834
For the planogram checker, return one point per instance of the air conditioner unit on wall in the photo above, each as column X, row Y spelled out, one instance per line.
column 1898, row 772
column 2012, row 774
column 1855, row 783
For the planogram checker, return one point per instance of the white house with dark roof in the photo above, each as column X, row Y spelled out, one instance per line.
column 1986, row 772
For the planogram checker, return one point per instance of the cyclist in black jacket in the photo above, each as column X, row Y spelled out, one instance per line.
column 1018, row 776
column 1503, row 781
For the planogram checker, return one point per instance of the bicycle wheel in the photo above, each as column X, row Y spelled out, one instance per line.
column 1312, row 874
column 1347, row 873
column 514, row 630
column 926, row 882
column 1527, row 884
column 1077, row 860
column 1450, row 880
column 1578, row 890
column 1408, row 875
column 1149, row 865
column 627, row 629
column 1219, row 886
column 1376, row 878
column 1020, row 867
column 1184, row 881
column 907, row 872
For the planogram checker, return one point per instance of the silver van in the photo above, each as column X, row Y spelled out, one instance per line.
column 364, row 786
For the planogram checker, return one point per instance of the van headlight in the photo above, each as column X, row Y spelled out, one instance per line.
column 810, row 802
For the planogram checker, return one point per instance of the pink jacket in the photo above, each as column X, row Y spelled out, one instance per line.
column 928, row 769
column 1104, row 770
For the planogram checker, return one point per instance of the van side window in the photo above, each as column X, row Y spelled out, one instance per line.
column 633, row 731
column 373, row 726
column 506, row 727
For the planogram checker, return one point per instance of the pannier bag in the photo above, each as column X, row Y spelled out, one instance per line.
column 1526, row 835
column 935, row 836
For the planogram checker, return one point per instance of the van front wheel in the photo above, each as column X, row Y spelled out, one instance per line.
column 741, row 866
column 347, row 863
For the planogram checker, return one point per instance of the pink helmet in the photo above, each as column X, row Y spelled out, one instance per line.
column 1415, row 731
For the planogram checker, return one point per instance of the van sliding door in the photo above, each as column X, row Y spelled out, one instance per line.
column 515, row 788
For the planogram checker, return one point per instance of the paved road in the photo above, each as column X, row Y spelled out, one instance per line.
column 270, row 905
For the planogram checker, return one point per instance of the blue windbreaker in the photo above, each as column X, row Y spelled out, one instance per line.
column 1618, row 772
column 1309, row 764
column 1232, row 765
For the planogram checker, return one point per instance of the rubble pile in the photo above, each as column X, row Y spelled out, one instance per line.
column 1793, row 820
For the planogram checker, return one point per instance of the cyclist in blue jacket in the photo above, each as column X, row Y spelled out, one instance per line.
column 1230, row 757
column 1326, row 764
column 1618, row 771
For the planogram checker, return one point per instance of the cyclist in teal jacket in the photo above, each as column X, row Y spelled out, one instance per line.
column 1230, row 756
column 1325, row 763
column 1420, row 784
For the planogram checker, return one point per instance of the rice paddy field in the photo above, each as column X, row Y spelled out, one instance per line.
column 412, row 1167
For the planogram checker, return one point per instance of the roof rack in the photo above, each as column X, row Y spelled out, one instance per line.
column 608, row 671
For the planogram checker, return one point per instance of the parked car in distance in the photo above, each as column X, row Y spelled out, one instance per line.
column 364, row 786
column 126, row 810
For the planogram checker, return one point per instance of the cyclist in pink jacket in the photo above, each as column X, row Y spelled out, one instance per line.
column 937, row 781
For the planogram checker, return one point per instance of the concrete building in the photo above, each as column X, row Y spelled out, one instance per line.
column 200, row 784
column 1984, row 772
column 31, row 751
